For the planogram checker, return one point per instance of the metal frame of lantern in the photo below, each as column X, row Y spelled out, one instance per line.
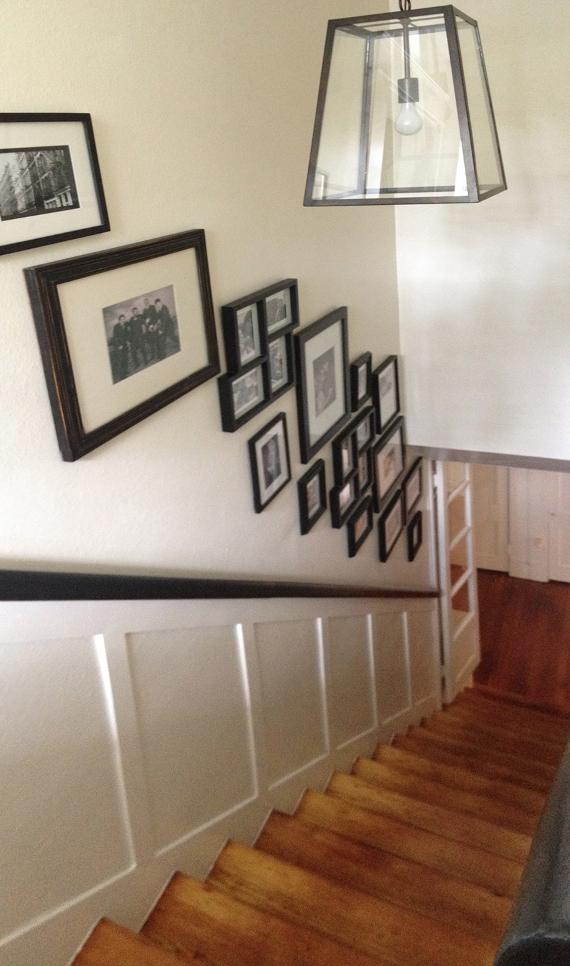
column 407, row 90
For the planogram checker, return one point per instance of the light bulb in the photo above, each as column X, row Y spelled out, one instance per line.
column 408, row 120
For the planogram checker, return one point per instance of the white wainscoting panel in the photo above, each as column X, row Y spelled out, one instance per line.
column 137, row 736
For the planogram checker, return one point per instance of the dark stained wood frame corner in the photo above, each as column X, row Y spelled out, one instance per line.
column 43, row 281
column 85, row 120
column 302, row 337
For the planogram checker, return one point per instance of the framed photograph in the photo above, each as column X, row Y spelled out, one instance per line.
column 123, row 333
column 386, row 392
column 359, row 525
column 269, row 459
column 365, row 428
column 360, row 380
column 50, row 183
column 281, row 308
column 390, row 525
column 412, row 486
column 243, row 396
column 344, row 455
column 281, row 364
column 312, row 492
column 342, row 500
column 388, row 459
column 321, row 353
column 414, row 534
column 364, row 470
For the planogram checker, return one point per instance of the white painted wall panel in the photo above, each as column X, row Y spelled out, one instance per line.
column 424, row 647
column 194, row 719
column 62, row 825
column 292, row 685
column 392, row 667
column 352, row 709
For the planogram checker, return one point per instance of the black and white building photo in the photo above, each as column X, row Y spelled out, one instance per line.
column 36, row 181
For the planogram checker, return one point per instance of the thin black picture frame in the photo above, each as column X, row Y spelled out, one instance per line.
column 366, row 421
column 364, row 482
column 386, row 475
column 321, row 361
column 360, row 372
column 233, row 387
column 412, row 486
column 386, row 393
column 340, row 511
column 64, row 146
column 388, row 538
column 344, row 455
column 311, row 484
column 270, row 465
column 53, row 326
column 356, row 539
column 414, row 535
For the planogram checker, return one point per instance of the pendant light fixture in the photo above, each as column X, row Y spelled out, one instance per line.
column 404, row 113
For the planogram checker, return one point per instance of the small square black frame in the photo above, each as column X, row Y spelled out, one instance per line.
column 340, row 514
column 265, row 488
column 228, row 385
column 414, row 472
column 385, row 417
column 357, row 395
column 414, row 535
column 385, row 543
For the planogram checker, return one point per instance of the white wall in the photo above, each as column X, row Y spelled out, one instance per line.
column 485, row 289
column 203, row 114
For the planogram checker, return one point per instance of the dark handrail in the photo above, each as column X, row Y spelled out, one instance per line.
column 538, row 933
column 47, row 585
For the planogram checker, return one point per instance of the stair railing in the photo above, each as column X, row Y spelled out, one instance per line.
column 538, row 933
column 16, row 585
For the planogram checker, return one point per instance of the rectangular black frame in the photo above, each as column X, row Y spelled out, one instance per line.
column 386, row 541
column 313, row 433
column 85, row 175
column 313, row 481
column 384, row 480
column 360, row 369
column 355, row 540
column 229, row 386
column 265, row 489
column 339, row 513
column 368, row 417
column 364, row 458
column 232, row 322
column 385, row 416
column 289, row 381
column 414, row 535
column 413, row 478
column 43, row 282
column 344, row 455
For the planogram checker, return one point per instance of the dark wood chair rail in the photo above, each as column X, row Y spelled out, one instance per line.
column 46, row 585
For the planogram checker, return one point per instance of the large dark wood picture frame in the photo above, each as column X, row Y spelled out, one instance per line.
column 89, row 354
column 50, row 181
column 321, row 362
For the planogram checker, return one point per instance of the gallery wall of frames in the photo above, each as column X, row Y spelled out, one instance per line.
column 154, row 319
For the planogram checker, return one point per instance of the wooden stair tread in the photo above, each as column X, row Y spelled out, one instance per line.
column 206, row 925
column 375, row 927
column 491, row 709
column 471, row 717
column 537, row 775
column 510, row 698
column 386, row 876
column 434, row 818
column 394, row 835
column 490, row 738
column 112, row 945
column 460, row 778
column 424, row 790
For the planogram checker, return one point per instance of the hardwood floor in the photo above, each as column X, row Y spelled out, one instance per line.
column 525, row 638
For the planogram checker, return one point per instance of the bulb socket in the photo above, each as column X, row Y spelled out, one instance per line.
column 408, row 90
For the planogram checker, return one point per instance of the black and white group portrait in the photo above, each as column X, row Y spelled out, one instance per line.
column 141, row 332
column 36, row 181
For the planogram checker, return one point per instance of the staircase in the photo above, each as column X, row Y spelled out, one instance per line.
column 412, row 859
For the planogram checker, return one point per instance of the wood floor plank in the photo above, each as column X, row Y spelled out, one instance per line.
column 491, row 737
column 374, row 927
column 390, row 834
column 471, row 718
column 421, row 788
column 460, row 778
column 386, row 876
column 434, row 818
column 112, row 945
column 433, row 746
column 513, row 699
column 205, row 924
